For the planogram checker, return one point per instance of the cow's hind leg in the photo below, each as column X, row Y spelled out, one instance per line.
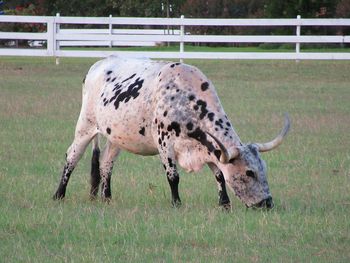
column 73, row 155
column 109, row 154
column 95, row 168
column 224, row 200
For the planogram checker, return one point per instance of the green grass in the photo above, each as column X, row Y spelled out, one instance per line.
column 309, row 175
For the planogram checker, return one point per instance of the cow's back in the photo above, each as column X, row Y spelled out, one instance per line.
column 133, row 100
column 119, row 94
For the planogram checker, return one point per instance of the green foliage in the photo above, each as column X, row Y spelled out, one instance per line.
column 223, row 8
column 83, row 8
column 190, row 8
column 137, row 8
column 309, row 174
column 305, row 8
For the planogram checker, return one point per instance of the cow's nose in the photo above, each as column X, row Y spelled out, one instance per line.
column 265, row 203
column 269, row 203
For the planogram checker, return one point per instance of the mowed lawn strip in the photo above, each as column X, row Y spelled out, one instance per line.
column 309, row 175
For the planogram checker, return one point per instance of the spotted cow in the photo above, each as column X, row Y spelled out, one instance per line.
column 172, row 109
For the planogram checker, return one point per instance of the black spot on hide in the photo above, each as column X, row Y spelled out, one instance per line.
column 109, row 72
column 203, row 105
column 124, row 95
column 211, row 116
column 164, row 134
column 218, row 123
column 170, row 162
column 189, row 126
column 191, row 97
column 201, row 136
column 175, row 64
column 165, row 113
column 204, row 86
column 133, row 75
column 142, row 131
column 117, row 86
column 176, row 127
column 108, row 130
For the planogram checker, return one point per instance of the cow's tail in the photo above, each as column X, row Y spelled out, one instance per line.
column 96, row 143
column 95, row 167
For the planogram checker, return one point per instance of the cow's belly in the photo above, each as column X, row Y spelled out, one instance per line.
column 130, row 141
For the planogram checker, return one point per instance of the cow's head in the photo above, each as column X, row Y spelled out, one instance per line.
column 245, row 172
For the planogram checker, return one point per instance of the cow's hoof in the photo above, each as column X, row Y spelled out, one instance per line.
column 106, row 200
column 92, row 197
column 58, row 196
column 225, row 207
column 176, row 203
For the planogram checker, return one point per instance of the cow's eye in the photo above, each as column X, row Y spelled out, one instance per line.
column 232, row 160
column 250, row 173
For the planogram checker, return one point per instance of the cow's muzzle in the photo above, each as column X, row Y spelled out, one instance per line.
column 266, row 203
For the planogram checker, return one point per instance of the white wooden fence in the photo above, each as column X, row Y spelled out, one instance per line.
column 56, row 37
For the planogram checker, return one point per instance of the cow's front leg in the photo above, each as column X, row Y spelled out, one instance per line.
column 224, row 200
column 173, row 178
column 107, row 159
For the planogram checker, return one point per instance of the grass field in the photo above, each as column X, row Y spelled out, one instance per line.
column 309, row 174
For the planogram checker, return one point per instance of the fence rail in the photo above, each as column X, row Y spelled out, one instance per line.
column 56, row 37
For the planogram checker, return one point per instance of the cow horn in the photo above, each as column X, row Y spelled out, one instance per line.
column 264, row 147
column 225, row 156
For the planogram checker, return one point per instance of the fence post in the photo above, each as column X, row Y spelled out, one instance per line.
column 182, row 33
column 50, row 36
column 110, row 32
column 297, row 44
column 56, row 43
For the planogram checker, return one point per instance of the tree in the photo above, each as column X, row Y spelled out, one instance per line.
column 82, row 8
column 343, row 9
column 305, row 8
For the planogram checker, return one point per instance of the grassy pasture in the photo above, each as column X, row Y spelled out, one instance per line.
column 309, row 174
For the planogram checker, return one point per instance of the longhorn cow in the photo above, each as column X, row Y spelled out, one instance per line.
column 153, row 107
